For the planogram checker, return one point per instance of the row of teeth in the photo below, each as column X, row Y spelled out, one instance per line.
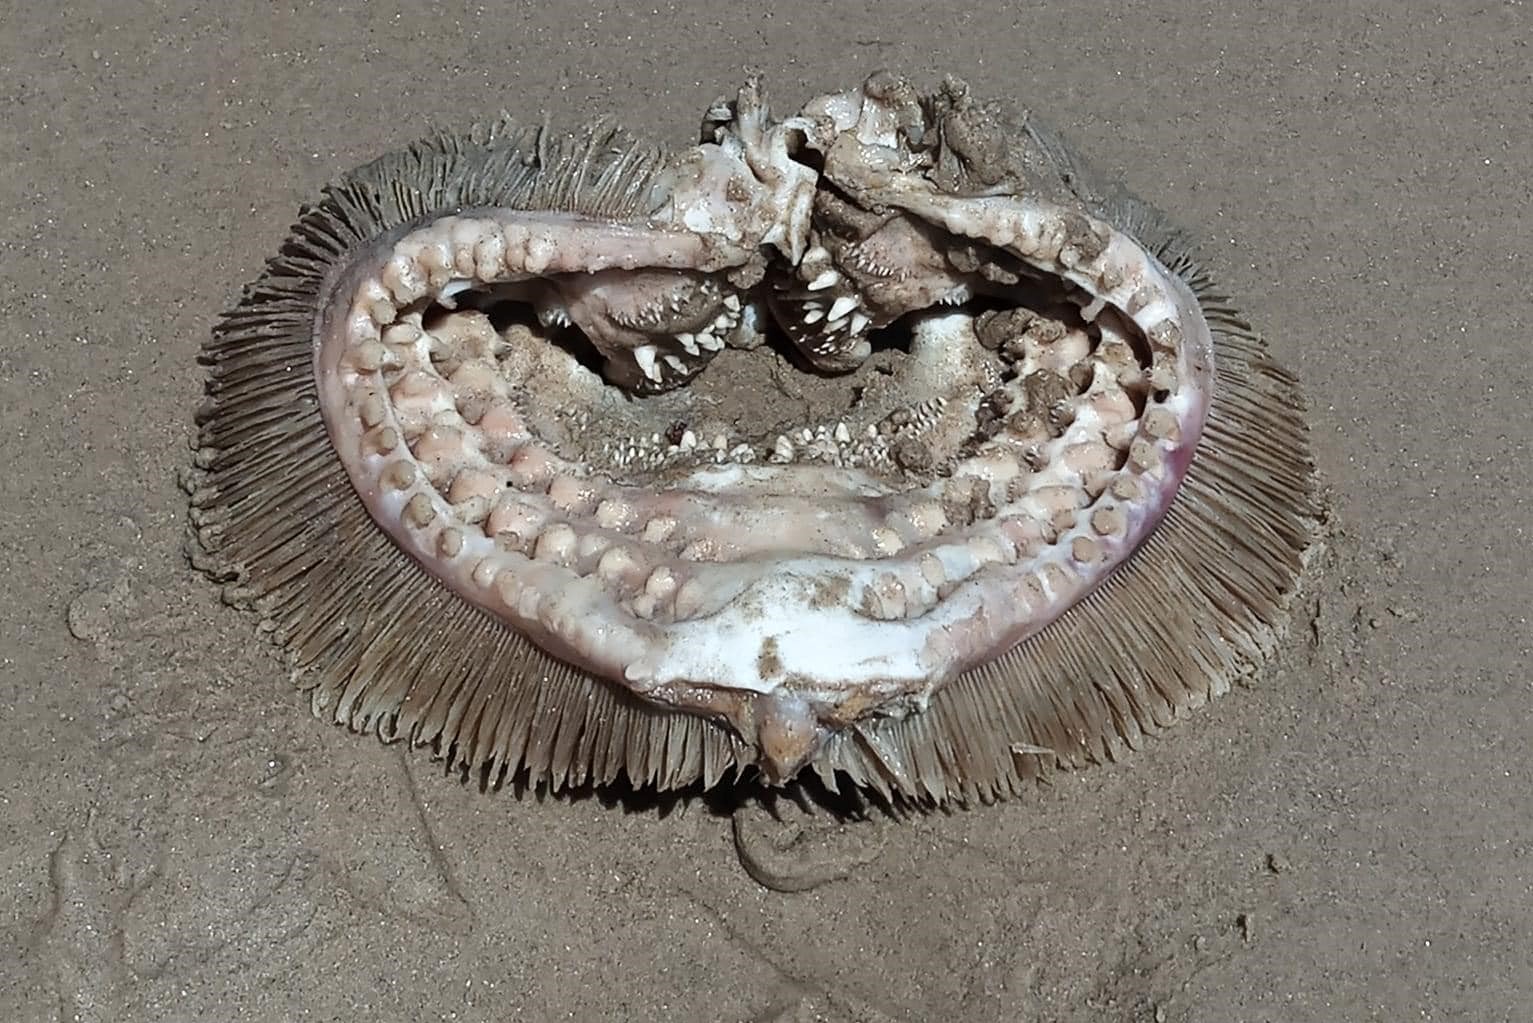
column 842, row 308
column 837, row 444
column 821, row 442
column 654, row 442
column 709, row 340
column 866, row 264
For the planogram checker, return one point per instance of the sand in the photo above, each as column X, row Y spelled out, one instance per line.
column 1350, row 838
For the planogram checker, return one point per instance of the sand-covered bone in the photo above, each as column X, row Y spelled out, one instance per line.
column 1074, row 502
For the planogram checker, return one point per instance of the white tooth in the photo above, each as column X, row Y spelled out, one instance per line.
column 732, row 303
column 782, row 450
column 720, row 442
column 689, row 342
column 859, row 322
column 842, row 306
column 814, row 315
column 710, row 341
column 807, row 435
column 843, row 435
column 644, row 355
column 447, row 296
column 872, row 431
column 675, row 363
column 824, row 280
column 688, row 440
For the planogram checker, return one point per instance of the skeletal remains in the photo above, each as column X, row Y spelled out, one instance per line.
column 883, row 442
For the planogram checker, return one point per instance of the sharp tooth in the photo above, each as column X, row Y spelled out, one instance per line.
column 688, row 440
column 814, row 315
column 843, row 435
column 824, row 280
column 447, row 297
column 859, row 321
column 710, row 341
column 644, row 355
column 732, row 303
column 689, row 342
column 675, row 363
column 842, row 306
